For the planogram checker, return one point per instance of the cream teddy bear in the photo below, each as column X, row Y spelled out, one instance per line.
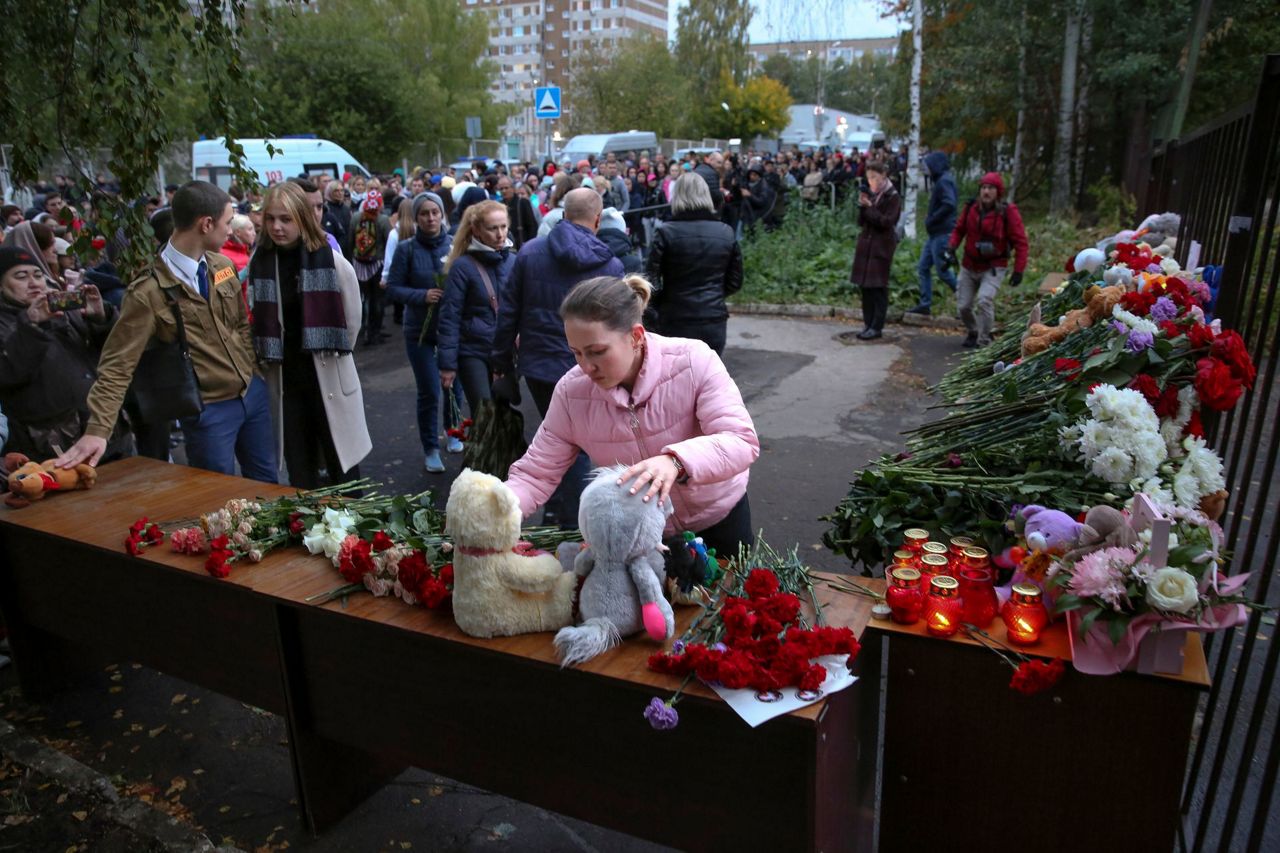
column 497, row 592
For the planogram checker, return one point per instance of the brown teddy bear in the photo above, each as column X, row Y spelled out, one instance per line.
column 1098, row 304
column 29, row 481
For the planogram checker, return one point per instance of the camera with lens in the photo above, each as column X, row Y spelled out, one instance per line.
column 987, row 249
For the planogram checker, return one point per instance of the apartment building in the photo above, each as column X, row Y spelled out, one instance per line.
column 532, row 43
column 849, row 50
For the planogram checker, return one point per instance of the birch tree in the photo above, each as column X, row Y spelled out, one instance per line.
column 913, row 148
column 1060, row 195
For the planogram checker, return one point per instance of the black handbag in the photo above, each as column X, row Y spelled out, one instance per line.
column 164, row 386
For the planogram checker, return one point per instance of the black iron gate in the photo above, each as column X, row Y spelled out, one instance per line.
column 1224, row 180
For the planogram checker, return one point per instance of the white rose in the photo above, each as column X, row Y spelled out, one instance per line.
column 1169, row 266
column 1173, row 590
column 332, row 543
column 313, row 539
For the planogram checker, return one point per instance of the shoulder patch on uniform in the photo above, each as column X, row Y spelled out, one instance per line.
column 224, row 274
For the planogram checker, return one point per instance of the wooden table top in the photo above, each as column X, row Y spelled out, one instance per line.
column 131, row 488
column 1054, row 642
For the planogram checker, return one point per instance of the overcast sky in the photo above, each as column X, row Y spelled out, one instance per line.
column 794, row 20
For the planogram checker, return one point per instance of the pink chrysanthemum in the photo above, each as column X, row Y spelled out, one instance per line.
column 1102, row 574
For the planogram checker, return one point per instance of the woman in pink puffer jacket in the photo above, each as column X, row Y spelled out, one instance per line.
column 664, row 406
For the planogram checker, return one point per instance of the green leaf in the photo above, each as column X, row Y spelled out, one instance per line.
column 1116, row 630
column 1067, row 603
column 1089, row 618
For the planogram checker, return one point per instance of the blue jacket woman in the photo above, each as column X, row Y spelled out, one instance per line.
column 416, row 281
column 479, row 265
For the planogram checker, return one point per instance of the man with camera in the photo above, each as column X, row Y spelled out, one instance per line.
column 991, row 230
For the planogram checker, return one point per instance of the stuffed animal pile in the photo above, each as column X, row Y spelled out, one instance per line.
column 1099, row 301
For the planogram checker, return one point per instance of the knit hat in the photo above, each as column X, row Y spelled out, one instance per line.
column 435, row 179
column 373, row 200
column 422, row 198
column 611, row 218
column 11, row 257
column 447, row 182
column 584, row 164
column 994, row 179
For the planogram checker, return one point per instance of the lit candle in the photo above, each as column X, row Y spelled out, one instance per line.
column 942, row 609
column 1024, row 614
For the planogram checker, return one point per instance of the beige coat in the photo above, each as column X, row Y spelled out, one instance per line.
column 339, row 382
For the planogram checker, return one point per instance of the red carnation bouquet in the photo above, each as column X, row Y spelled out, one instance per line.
column 754, row 635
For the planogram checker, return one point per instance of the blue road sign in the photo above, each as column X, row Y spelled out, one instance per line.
column 546, row 102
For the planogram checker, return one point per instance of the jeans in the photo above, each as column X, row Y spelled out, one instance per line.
column 981, row 287
column 426, row 375
column 563, row 503
column 930, row 257
column 231, row 430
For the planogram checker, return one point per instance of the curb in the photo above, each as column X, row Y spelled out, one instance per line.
column 806, row 311
column 168, row 833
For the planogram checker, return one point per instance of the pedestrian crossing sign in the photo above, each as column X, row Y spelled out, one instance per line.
column 546, row 102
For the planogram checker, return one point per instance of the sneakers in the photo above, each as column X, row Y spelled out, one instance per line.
column 455, row 444
column 920, row 309
column 970, row 340
column 434, row 464
column 868, row 335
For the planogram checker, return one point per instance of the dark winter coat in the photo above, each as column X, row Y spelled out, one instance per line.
column 522, row 225
column 46, row 372
column 759, row 205
column 877, row 241
column 708, row 174
column 414, row 268
column 468, row 317
column 619, row 242
column 544, row 272
column 336, row 219
column 942, row 199
column 694, row 263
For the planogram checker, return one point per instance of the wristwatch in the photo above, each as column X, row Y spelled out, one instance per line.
column 682, row 476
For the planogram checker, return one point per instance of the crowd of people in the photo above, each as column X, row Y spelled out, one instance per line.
column 613, row 270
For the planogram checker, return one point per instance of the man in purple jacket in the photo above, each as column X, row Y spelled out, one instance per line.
column 546, row 269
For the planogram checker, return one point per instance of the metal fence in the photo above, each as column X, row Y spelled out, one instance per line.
column 1224, row 180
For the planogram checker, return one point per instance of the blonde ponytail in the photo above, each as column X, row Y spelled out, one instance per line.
column 619, row 303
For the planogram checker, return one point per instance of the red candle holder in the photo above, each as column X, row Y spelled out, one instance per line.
column 1024, row 614
column 977, row 558
column 978, row 592
column 943, row 607
column 932, row 566
column 913, row 539
column 903, row 559
column 934, row 548
column 958, row 544
column 904, row 596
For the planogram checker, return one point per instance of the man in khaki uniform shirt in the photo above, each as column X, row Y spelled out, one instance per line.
column 236, row 421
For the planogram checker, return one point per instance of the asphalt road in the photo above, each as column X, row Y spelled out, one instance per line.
column 822, row 408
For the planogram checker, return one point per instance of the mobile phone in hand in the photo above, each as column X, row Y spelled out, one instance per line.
column 62, row 300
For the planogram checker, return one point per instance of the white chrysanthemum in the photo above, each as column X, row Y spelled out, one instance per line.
column 1113, row 465
column 1169, row 267
column 1186, row 488
column 1204, row 465
column 1133, row 321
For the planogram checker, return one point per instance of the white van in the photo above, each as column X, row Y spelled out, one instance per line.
column 600, row 144
column 210, row 160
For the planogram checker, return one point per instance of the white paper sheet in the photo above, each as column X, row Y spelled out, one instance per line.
column 755, row 711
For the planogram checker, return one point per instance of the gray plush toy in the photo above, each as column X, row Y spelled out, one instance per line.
column 623, row 569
